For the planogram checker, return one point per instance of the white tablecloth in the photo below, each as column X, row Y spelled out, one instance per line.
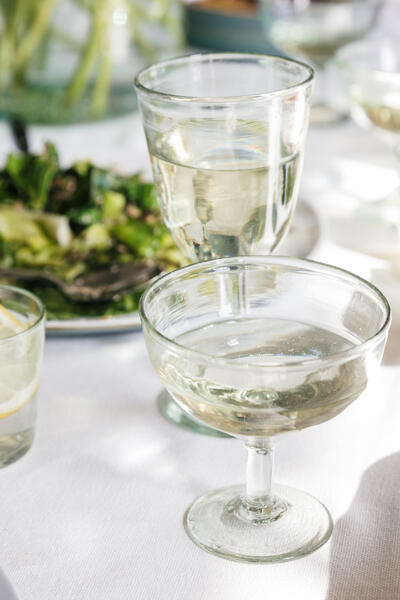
column 94, row 510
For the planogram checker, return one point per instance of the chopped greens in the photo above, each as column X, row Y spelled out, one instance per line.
column 73, row 221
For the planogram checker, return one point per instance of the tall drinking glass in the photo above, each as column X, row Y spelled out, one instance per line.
column 226, row 136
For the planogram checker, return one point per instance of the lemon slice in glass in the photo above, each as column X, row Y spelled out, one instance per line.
column 11, row 400
column 19, row 378
column 9, row 324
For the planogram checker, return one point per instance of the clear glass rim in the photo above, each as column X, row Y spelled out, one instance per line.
column 309, row 265
column 201, row 56
column 35, row 299
column 344, row 58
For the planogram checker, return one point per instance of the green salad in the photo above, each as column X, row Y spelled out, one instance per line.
column 73, row 221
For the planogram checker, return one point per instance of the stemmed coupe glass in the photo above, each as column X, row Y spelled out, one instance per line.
column 291, row 347
column 226, row 137
column 371, row 73
column 314, row 30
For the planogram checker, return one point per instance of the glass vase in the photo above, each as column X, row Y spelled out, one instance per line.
column 65, row 61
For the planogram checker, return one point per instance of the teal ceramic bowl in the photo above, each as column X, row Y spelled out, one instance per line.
column 234, row 32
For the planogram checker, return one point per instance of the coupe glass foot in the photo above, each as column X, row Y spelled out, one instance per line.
column 296, row 524
column 174, row 414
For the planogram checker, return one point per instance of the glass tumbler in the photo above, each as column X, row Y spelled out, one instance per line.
column 22, row 319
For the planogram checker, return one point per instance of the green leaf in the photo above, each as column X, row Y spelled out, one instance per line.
column 7, row 253
column 113, row 205
column 96, row 236
column 100, row 181
column 84, row 216
column 19, row 226
column 32, row 176
column 139, row 237
column 129, row 186
column 147, row 198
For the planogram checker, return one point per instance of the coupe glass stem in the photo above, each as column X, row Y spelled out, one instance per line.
column 260, row 463
column 259, row 504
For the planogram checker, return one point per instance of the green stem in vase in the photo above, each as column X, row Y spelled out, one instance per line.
column 170, row 20
column 35, row 32
column 14, row 21
column 81, row 78
column 65, row 39
column 103, row 80
column 6, row 53
column 102, row 85
column 136, row 16
column 28, row 33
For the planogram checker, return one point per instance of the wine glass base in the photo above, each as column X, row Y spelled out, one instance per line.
column 214, row 523
column 171, row 411
column 322, row 114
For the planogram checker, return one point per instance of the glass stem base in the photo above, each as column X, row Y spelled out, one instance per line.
column 291, row 524
column 171, row 411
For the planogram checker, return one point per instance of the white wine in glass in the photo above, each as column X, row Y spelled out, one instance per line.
column 223, row 201
column 261, row 410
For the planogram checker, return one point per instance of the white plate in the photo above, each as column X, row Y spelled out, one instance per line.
column 299, row 242
column 95, row 325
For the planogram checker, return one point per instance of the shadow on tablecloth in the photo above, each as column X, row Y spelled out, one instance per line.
column 6, row 591
column 365, row 547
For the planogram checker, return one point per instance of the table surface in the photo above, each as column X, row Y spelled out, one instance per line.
column 94, row 510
